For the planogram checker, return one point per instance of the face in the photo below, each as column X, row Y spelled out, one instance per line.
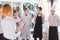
column 39, row 11
column 16, row 14
column 25, row 10
column 52, row 12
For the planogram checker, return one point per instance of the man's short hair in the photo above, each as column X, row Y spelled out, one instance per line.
column 40, row 8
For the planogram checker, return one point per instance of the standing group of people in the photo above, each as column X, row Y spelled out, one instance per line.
column 54, row 22
column 10, row 25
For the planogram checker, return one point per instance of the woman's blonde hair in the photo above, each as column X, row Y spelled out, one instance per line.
column 6, row 10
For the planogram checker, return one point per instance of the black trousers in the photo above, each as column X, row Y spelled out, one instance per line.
column 2, row 37
column 6, row 39
column 53, row 33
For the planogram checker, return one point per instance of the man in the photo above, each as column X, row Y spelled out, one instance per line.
column 53, row 24
column 27, row 22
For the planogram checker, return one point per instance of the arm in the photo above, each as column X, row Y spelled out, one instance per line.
column 43, row 20
column 18, row 21
column 58, row 21
column 21, row 23
column 13, row 23
column 35, row 17
column 49, row 19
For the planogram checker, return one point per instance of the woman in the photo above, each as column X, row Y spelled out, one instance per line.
column 38, row 25
column 8, row 24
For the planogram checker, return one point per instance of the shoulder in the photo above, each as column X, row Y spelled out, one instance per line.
column 10, row 19
column 50, row 15
column 57, row 16
column 43, row 15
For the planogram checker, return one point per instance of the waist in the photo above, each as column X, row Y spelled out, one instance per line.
column 53, row 26
column 1, row 33
column 9, row 36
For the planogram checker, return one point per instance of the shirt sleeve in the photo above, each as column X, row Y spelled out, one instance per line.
column 43, row 18
column 35, row 15
column 58, row 21
column 14, row 25
column 22, row 22
column 49, row 19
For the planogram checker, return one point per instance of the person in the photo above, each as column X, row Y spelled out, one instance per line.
column 8, row 23
column 15, row 13
column 26, row 19
column 18, row 21
column 39, row 19
column 53, row 24
column 1, row 33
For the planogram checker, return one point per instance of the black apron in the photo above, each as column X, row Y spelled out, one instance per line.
column 53, row 33
column 38, row 28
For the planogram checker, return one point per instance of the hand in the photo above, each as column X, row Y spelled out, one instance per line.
column 17, row 24
column 21, row 30
column 15, row 17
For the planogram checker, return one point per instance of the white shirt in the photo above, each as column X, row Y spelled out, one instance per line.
column 27, row 20
column 9, row 27
column 17, row 19
column 54, row 20
column 39, row 15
